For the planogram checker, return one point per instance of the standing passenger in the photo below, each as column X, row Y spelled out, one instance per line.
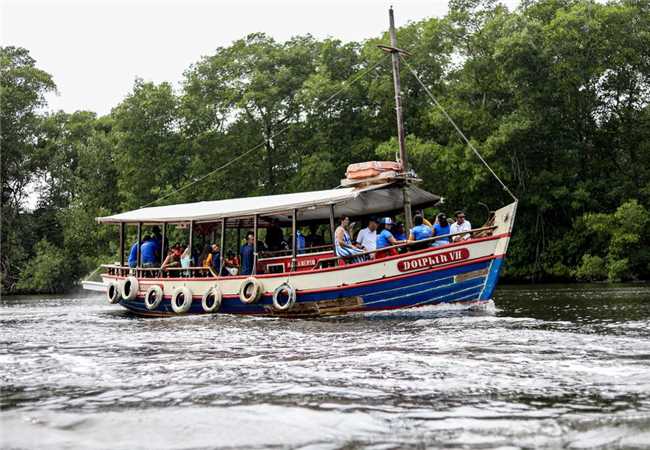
column 247, row 254
column 133, row 255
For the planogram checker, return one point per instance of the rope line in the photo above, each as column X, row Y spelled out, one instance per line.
column 426, row 89
column 345, row 84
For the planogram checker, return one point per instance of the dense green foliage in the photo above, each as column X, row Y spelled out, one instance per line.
column 555, row 94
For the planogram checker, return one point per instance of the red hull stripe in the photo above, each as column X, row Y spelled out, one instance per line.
column 366, row 283
column 330, row 269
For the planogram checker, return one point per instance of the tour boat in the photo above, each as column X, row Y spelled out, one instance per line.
column 313, row 281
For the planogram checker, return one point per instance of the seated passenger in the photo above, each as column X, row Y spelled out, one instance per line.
column 230, row 264
column 313, row 239
column 459, row 226
column 386, row 239
column 420, row 231
column 173, row 258
column 274, row 236
column 398, row 231
column 441, row 228
column 149, row 252
column 343, row 243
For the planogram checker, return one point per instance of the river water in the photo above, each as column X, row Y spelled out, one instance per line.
column 545, row 367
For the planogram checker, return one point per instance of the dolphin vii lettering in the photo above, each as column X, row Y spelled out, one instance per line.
column 424, row 262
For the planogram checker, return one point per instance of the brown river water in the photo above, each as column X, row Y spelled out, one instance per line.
column 544, row 367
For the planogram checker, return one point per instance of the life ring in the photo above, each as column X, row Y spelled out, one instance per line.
column 291, row 297
column 113, row 292
column 130, row 288
column 186, row 295
column 157, row 293
column 213, row 293
column 251, row 290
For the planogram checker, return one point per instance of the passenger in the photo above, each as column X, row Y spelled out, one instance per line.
column 274, row 236
column 247, row 254
column 342, row 243
column 367, row 237
column 149, row 254
column 385, row 238
column 133, row 256
column 300, row 242
column 441, row 228
column 459, row 226
column 313, row 239
column 230, row 264
column 398, row 231
column 173, row 258
column 158, row 238
column 205, row 258
column 420, row 230
column 215, row 258
column 186, row 261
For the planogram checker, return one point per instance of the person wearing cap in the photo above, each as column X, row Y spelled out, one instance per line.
column 367, row 237
column 441, row 228
column 459, row 226
column 385, row 238
column 420, row 230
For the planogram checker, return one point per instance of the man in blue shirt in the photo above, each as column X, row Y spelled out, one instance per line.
column 247, row 255
column 133, row 255
column 149, row 252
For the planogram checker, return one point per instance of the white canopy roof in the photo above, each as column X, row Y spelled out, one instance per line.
column 311, row 205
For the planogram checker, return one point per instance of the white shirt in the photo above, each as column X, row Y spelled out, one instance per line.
column 368, row 239
column 465, row 226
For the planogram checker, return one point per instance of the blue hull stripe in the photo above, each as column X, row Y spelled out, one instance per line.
column 428, row 288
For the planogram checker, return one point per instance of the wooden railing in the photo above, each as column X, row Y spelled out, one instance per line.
column 208, row 272
column 158, row 272
column 333, row 261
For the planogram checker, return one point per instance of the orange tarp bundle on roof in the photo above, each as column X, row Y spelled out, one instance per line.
column 370, row 169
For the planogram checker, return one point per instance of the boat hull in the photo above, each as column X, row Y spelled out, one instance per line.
column 465, row 272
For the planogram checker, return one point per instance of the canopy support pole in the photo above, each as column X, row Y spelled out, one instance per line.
column 191, row 242
column 162, row 244
column 223, row 246
column 294, row 240
column 332, row 226
column 254, row 272
column 139, row 239
column 122, row 244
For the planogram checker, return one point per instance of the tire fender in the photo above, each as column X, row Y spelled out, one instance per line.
column 130, row 287
column 187, row 300
column 291, row 294
column 251, row 290
column 156, row 292
column 215, row 292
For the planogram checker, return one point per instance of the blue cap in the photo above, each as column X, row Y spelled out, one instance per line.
column 387, row 221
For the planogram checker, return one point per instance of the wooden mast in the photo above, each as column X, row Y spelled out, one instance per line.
column 400, row 120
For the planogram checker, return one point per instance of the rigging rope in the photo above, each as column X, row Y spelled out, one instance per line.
column 505, row 188
column 345, row 84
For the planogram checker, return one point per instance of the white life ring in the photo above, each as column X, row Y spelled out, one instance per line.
column 130, row 288
column 187, row 300
column 291, row 297
column 250, row 291
column 157, row 293
column 215, row 293
column 113, row 292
